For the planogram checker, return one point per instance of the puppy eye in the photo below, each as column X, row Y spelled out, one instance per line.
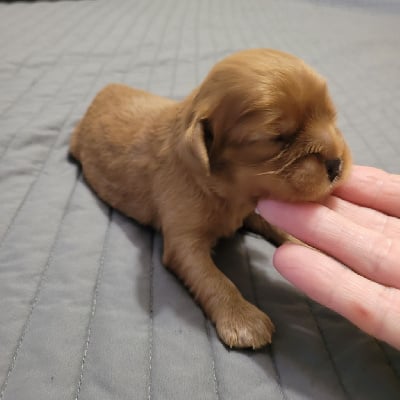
column 284, row 139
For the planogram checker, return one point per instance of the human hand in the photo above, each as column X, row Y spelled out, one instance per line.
column 359, row 226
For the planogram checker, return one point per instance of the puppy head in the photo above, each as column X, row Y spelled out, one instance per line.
column 263, row 123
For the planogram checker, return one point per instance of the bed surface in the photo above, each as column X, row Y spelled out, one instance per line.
column 87, row 311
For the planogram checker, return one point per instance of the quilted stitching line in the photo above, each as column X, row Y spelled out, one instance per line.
column 23, row 16
column 33, row 184
column 178, row 49
column 213, row 54
column 145, row 32
column 254, row 18
column 254, row 290
column 141, row 41
column 98, row 278
column 354, row 127
column 94, row 303
column 51, row 99
column 210, row 12
column 100, row 275
column 43, row 29
column 224, row 25
column 151, row 262
column 151, row 320
column 349, row 120
column 41, row 75
column 206, row 321
column 8, row 12
column 326, row 347
column 213, row 367
column 37, row 295
column 40, row 285
column 196, row 62
column 36, row 298
column 38, row 291
column 196, row 43
column 239, row 23
column 388, row 358
column 51, row 149
column 167, row 19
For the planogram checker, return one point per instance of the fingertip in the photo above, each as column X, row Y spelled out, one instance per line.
column 268, row 208
column 299, row 264
column 281, row 253
column 287, row 257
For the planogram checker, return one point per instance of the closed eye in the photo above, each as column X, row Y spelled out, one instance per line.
column 284, row 139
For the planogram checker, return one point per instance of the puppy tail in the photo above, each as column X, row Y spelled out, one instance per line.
column 74, row 142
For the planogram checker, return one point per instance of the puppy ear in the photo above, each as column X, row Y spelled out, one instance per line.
column 197, row 143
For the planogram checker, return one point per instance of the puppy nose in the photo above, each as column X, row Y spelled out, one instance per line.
column 333, row 168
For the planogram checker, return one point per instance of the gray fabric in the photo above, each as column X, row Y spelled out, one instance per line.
column 87, row 310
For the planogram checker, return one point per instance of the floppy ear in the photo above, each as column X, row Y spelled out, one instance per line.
column 196, row 145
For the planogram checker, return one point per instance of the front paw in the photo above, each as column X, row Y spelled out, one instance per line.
column 244, row 325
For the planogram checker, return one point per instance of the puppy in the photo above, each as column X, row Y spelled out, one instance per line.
column 261, row 125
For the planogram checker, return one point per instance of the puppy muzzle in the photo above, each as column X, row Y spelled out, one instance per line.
column 334, row 168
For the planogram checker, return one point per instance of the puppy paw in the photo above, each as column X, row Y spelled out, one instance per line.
column 244, row 326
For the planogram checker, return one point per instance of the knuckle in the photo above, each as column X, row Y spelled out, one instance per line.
column 386, row 305
column 379, row 256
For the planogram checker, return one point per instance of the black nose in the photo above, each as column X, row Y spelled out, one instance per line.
column 333, row 168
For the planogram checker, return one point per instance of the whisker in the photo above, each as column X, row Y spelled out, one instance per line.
column 267, row 173
column 278, row 171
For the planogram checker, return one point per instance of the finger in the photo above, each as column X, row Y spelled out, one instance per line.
column 372, row 307
column 367, row 217
column 374, row 188
column 370, row 253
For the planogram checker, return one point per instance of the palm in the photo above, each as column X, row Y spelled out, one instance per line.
column 359, row 226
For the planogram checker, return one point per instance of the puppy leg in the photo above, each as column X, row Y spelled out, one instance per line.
column 256, row 224
column 238, row 323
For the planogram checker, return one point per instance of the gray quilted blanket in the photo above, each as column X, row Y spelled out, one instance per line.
column 87, row 310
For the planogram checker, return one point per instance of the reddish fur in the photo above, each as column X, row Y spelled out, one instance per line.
column 149, row 157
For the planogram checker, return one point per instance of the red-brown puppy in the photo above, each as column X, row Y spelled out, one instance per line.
column 261, row 124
